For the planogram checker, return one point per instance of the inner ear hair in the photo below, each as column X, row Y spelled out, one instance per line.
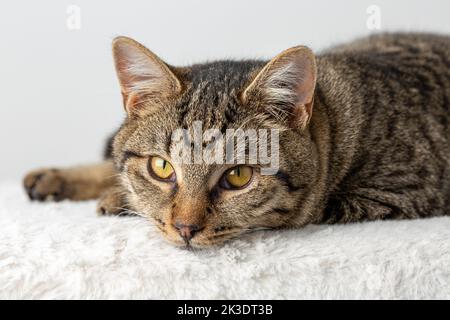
column 143, row 76
column 285, row 86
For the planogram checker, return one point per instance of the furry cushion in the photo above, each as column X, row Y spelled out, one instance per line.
column 63, row 250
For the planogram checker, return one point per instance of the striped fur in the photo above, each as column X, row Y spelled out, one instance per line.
column 377, row 145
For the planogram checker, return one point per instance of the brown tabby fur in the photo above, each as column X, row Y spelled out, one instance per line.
column 377, row 145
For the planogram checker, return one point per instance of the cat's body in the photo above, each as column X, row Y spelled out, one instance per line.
column 367, row 137
column 390, row 141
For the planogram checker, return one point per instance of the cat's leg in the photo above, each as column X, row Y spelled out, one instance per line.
column 371, row 204
column 75, row 183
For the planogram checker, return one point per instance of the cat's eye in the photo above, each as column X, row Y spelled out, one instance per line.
column 161, row 169
column 237, row 177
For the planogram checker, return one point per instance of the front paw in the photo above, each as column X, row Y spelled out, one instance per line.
column 45, row 184
column 112, row 202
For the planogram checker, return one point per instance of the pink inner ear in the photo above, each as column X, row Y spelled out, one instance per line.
column 124, row 77
column 142, row 75
column 123, row 62
column 306, row 82
column 297, row 69
column 305, row 90
column 132, row 65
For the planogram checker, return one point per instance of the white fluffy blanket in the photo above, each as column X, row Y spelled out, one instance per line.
column 64, row 251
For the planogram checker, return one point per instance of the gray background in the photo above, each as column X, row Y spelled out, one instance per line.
column 59, row 97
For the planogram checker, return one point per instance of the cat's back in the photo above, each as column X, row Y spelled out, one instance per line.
column 406, row 72
column 407, row 62
column 410, row 53
column 403, row 43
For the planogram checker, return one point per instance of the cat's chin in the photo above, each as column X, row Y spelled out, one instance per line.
column 194, row 244
column 202, row 240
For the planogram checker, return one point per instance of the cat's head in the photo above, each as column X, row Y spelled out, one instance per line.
column 197, row 201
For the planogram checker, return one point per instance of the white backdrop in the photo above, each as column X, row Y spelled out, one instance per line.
column 59, row 97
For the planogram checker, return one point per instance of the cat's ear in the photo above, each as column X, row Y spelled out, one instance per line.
column 142, row 75
column 285, row 86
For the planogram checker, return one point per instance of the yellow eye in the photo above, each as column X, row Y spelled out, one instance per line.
column 161, row 169
column 238, row 177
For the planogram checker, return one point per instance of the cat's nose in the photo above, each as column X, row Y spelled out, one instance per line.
column 187, row 231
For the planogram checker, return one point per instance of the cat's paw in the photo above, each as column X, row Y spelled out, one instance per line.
column 45, row 184
column 111, row 203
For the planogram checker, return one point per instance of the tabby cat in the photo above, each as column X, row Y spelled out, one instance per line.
column 364, row 135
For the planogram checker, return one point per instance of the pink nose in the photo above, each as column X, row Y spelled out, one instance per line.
column 187, row 232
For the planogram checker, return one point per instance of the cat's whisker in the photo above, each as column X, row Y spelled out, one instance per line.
column 161, row 228
column 112, row 176
column 222, row 234
column 256, row 229
column 224, row 237
column 127, row 211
